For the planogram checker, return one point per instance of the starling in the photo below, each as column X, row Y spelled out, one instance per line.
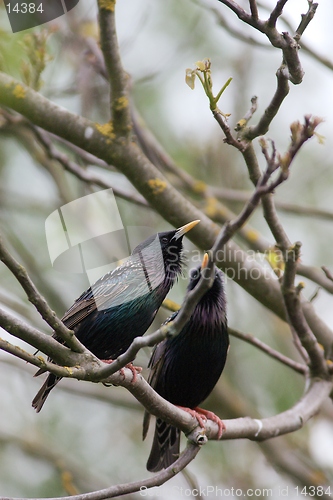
column 185, row 368
column 123, row 303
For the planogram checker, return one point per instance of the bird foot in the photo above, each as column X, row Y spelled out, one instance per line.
column 211, row 416
column 201, row 420
column 203, row 415
column 134, row 369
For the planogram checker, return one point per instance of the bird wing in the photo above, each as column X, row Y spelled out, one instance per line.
column 155, row 364
column 123, row 284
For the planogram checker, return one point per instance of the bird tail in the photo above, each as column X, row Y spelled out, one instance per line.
column 165, row 448
column 44, row 391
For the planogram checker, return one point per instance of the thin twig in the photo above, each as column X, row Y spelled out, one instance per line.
column 229, row 138
column 251, row 339
column 272, row 109
column 38, row 301
column 247, row 117
column 297, row 320
column 46, row 344
column 327, row 273
column 254, row 9
column 283, row 41
column 81, row 173
column 249, row 40
column 236, row 33
column 306, row 19
column 299, row 135
column 92, row 391
column 299, row 346
column 242, row 195
column 316, row 275
column 298, row 367
column 262, row 189
column 243, row 15
column 19, row 126
column 185, row 458
column 276, row 13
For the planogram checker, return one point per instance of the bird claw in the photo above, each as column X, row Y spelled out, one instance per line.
column 195, row 414
column 134, row 369
column 203, row 415
column 209, row 415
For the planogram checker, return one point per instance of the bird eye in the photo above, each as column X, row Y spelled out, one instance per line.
column 194, row 273
column 164, row 239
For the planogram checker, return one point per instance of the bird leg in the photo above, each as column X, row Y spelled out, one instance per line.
column 130, row 366
column 211, row 416
column 195, row 414
column 203, row 415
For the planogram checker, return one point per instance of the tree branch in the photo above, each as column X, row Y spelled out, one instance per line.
column 96, row 392
column 243, row 15
column 254, row 9
column 229, row 138
column 120, row 110
column 318, row 364
column 185, row 458
column 299, row 135
column 272, row 109
column 276, row 13
column 251, row 339
column 70, row 473
column 305, row 20
column 38, row 301
column 85, row 175
column 247, row 337
column 283, row 41
column 316, row 275
column 245, row 427
column 45, row 343
column 242, row 195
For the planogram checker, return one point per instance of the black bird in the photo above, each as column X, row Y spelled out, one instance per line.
column 122, row 304
column 185, row 368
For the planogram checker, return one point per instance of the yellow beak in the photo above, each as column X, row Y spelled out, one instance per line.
column 184, row 229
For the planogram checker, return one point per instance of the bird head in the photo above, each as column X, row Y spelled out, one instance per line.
column 172, row 245
column 217, row 288
column 161, row 255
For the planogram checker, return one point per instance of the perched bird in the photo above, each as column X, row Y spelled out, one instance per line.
column 185, row 368
column 122, row 304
